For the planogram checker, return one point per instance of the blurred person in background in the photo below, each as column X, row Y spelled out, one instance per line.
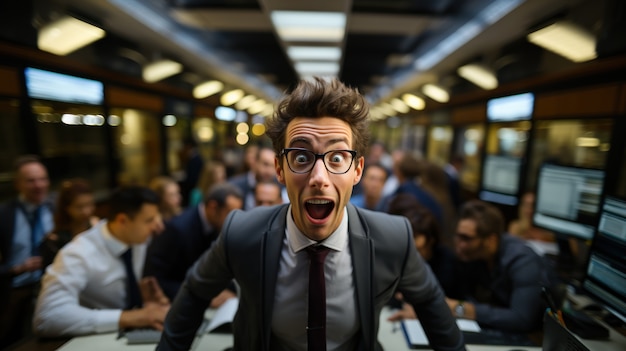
column 187, row 236
column 74, row 213
column 263, row 170
column 523, row 226
column 408, row 170
column 372, row 183
column 170, row 198
column 435, row 181
column 93, row 286
column 500, row 279
column 213, row 172
column 427, row 238
column 268, row 193
column 24, row 221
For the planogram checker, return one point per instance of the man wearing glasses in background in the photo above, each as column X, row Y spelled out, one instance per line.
column 359, row 258
column 500, row 279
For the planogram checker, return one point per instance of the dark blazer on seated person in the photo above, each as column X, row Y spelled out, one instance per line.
column 182, row 242
column 384, row 260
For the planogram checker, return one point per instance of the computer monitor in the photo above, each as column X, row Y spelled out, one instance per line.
column 605, row 279
column 500, row 180
column 568, row 200
column 46, row 85
column 511, row 108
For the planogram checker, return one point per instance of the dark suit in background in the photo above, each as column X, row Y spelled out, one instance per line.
column 171, row 253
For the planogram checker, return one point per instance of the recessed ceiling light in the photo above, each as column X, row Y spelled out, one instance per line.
column 66, row 35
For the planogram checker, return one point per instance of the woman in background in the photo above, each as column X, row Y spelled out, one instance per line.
column 523, row 226
column 426, row 237
column 74, row 213
column 170, row 203
column 213, row 172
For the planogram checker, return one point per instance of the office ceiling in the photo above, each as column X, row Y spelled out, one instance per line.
column 390, row 46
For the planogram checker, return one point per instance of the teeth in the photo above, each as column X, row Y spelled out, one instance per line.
column 318, row 202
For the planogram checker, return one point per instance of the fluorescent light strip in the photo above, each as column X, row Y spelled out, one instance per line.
column 326, row 53
column 160, row 70
column 66, row 35
column 479, row 75
column 207, row 89
column 399, row 105
column 309, row 25
column 436, row 93
column 231, row 97
column 306, row 67
column 566, row 39
column 414, row 101
column 245, row 102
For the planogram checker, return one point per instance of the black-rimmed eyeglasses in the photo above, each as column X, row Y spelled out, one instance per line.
column 303, row 160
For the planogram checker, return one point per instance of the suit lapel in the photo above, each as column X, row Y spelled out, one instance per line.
column 272, row 247
column 362, row 258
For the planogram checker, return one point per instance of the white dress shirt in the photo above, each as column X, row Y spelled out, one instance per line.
column 289, row 316
column 84, row 290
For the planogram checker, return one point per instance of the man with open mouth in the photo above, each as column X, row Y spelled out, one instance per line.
column 314, row 274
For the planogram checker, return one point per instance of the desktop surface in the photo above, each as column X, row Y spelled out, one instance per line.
column 390, row 336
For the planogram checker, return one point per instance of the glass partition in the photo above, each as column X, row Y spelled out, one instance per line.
column 73, row 141
column 137, row 141
column 581, row 143
column 469, row 143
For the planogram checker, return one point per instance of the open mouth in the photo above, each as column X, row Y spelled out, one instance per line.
column 319, row 208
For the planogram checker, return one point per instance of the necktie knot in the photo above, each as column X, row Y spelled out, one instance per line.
column 317, row 253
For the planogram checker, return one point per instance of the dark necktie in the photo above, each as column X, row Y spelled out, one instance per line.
column 133, row 297
column 316, row 329
column 35, row 221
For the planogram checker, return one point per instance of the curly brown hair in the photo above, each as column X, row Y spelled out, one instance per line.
column 488, row 218
column 321, row 98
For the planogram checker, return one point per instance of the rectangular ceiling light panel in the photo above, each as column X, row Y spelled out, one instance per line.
column 160, row 70
column 309, row 25
column 566, row 39
column 309, row 53
column 66, row 35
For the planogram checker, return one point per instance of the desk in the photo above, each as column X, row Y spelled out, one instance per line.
column 390, row 336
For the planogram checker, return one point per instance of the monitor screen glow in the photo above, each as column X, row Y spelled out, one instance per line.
column 568, row 200
column 54, row 86
column 511, row 108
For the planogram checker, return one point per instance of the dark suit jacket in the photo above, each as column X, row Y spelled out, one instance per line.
column 171, row 253
column 241, row 181
column 249, row 250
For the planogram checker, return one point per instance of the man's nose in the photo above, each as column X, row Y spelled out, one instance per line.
column 319, row 173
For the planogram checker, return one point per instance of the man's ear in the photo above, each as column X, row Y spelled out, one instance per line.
column 280, row 172
column 360, row 162
column 121, row 218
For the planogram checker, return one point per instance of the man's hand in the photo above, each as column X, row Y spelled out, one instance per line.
column 406, row 312
column 151, row 291
column 221, row 298
column 151, row 315
column 31, row 264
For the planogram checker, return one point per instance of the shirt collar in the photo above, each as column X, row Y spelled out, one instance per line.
column 116, row 247
column 206, row 226
column 298, row 241
column 29, row 206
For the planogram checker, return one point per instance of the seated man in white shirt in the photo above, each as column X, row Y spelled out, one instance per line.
column 86, row 290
